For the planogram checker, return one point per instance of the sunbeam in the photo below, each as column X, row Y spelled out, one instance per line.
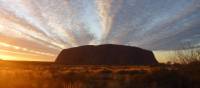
column 45, row 27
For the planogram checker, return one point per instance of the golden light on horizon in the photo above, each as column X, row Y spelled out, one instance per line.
column 45, row 28
column 23, row 57
column 164, row 56
column 12, row 52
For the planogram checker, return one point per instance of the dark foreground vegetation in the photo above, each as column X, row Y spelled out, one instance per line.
column 49, row 75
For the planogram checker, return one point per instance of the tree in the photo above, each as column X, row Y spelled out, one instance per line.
column 186, row 56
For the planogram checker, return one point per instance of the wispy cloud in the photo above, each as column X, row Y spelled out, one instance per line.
column 47, row 26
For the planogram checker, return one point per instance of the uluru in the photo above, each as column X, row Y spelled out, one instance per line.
column 107, row 54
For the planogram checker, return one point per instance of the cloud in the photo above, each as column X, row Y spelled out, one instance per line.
column 49, row 26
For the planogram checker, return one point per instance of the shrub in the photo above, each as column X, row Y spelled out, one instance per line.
column 188, row 56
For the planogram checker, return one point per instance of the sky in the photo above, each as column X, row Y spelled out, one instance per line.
column 37, row 30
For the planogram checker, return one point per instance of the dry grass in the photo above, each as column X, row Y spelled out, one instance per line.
column 49, row 75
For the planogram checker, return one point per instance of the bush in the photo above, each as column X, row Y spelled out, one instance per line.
column 188, row 56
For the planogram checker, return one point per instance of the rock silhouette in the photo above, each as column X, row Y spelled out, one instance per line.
column 108, row 54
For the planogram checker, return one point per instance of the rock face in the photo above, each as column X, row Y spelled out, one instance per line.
column 106, row 55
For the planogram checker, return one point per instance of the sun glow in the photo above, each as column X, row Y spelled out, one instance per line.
column 12, row 52
column 22, row 56
column 44, row 28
